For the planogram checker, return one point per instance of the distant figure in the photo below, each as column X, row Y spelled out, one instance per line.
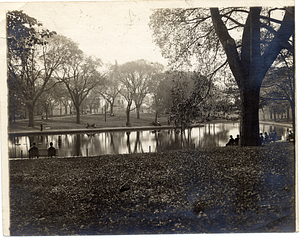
column 291, row 137
column 51, row 150
column 266, row 140
column 88, row 125
column 59, row 141
column 41, row 126
column 261, row 138
column 274, row 136
column 33, row 151
column 231, row 141
column 236, row 140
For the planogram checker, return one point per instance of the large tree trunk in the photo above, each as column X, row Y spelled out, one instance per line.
column 111, row 104
column 249, row 67
column 128, row 113
column 263, row 114
column 249, row 125
column 31, row 115
column 127, row 117
column 138, row 112
column 46, row 114
column 156, row 117
column 77, row 115
column 66, row 109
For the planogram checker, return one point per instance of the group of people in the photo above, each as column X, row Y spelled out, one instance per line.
column 271, row 137
column 233, row 141
column 33, row 151
column 88, row 125
column 263, row 139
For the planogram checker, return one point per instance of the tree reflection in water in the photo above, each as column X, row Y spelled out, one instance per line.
column 77, row 145
column 210, row 135
column 138, row 145
column 128, row 141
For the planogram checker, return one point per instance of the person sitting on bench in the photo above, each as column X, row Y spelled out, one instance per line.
column 231, row 141
column 33, row 151
column 51, row 150
column 236, row 140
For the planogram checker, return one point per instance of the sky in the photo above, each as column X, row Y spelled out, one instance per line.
column 110, row 31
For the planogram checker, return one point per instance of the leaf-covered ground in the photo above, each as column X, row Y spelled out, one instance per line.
column 215, row 190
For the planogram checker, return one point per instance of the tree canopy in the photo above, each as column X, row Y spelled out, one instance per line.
column 136, row 76
column 29, row 70
column 248, row 40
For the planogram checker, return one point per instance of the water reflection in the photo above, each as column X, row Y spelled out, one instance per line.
column 211, row 135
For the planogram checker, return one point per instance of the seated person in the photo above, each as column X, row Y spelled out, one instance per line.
column 33, row 151
column 261, row 138
column 266, row 137
column 236, row 140
column 291, row 137
column 51, row 150
column 274, row 136
column 231, row 141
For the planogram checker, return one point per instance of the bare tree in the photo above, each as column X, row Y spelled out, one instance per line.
column 31, row 61
column 80, row 75
column 136, row 76
column 111, row 87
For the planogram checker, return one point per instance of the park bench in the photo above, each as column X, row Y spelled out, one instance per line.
column 41, row 153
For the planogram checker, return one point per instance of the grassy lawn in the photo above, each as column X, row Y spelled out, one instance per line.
column 218, row 190
column 69, row 122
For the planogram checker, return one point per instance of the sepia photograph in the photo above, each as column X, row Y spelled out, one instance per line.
column 148, row 117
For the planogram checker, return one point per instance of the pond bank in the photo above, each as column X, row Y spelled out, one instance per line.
column 89, row 130
column 50, row 131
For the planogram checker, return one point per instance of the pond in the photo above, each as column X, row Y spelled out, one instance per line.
column 210, row 135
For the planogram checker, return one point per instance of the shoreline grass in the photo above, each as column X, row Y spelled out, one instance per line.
column 69, row 122
column 119, row 120
column 234, row 189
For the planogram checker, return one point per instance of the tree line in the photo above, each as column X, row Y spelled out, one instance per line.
column 44, row 67
column 238, row 59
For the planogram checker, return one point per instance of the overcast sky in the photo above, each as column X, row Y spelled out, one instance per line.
column 108, row 30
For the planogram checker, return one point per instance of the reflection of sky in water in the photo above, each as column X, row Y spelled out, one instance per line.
column 211, row 135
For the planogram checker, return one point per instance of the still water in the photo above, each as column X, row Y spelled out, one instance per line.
column 211, row 135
